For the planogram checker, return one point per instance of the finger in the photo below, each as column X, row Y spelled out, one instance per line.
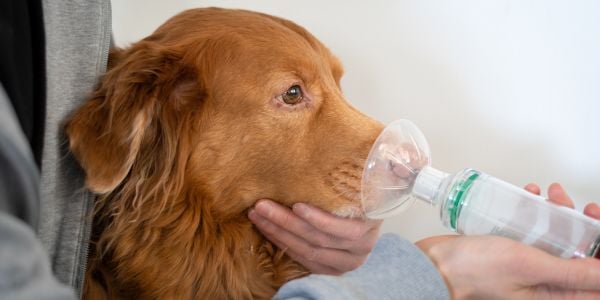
column 427, row 243
column 592, row 210
column 546, row 292
column 557, row 194
column 533, row 188
column 273, row 233
column 292, row 223
column 350, row 229
column 577, row 274
column 318, row 258
column 313, row 266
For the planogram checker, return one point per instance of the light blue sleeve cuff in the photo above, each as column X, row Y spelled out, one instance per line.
column 396, row 269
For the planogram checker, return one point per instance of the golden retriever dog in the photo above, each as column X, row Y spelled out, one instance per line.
column 187, row 129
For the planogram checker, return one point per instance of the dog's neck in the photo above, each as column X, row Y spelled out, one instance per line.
column 187, row 241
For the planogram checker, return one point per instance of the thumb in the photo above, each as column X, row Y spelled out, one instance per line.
column 427, row 243
column 575, row 274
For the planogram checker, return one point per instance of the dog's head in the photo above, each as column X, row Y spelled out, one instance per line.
column 229, row 104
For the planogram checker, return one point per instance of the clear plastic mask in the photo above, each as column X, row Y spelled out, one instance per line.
column 394, row 162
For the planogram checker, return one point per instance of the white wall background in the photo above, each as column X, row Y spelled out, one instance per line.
column 510, row 87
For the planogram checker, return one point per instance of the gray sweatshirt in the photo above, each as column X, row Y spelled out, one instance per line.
column 77, row 43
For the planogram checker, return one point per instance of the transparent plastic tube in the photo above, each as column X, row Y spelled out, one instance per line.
column 474, row 203
column 398, row 171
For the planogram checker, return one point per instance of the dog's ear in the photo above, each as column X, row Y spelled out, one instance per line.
column 138, row 102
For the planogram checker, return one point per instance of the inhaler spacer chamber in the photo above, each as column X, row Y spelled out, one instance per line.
column 396, row 158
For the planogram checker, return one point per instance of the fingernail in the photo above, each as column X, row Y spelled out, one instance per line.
column 263, row 207
column 555, row 189
column 253, row 216
column 557, row 185
column 301, row 209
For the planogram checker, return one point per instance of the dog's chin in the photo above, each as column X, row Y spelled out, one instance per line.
column 350, row 211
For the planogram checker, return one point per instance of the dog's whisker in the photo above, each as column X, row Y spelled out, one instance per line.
column 342, row 191
column 394, row 187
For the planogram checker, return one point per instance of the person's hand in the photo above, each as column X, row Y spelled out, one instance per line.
column 558, row 195
column 320, row 241
column 491, row 267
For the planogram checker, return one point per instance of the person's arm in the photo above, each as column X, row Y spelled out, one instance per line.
column 25, row 271
column 24, row 266
column 472, row 267
column 326, row 244
column 490, row 267
column 396, row 269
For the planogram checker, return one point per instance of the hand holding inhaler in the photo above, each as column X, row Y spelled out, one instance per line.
column 491, row 267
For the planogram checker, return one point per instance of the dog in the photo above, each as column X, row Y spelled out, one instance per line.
column 187, row 129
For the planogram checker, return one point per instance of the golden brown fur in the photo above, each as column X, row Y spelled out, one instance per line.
column 187, row 130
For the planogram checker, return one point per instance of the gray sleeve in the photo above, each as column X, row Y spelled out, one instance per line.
column 396, row 269
column 19, row 178
column 24, row 266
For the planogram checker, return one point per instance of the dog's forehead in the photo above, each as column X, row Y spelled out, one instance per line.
column 270, row 35
column 252, row 30
column 247, row 41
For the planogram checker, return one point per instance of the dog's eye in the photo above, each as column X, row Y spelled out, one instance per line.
column 293, row 95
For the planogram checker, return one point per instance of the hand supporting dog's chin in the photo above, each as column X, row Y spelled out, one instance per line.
column 320, row 241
